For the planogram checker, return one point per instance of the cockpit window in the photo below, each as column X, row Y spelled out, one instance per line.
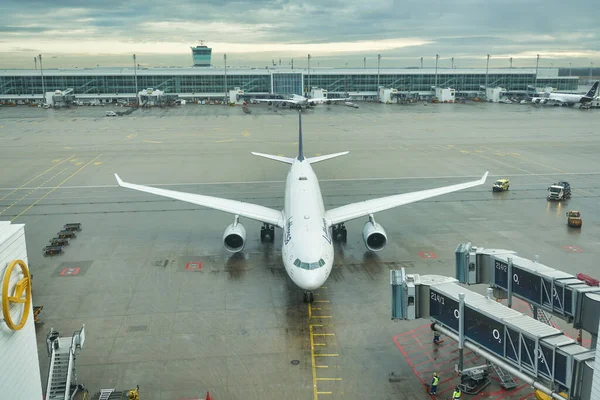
column 309, row 266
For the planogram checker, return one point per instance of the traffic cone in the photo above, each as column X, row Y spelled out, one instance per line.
column 208, row 396
column 579, row 340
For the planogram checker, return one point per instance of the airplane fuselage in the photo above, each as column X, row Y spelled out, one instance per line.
column 307, row 246
column 569, row 98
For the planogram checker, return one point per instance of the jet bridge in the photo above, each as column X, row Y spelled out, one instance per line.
column 548, row 289
column 526, row 348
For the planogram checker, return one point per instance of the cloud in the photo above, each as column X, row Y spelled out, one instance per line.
column 468, row 29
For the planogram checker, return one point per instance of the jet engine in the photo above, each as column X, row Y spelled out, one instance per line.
column 234, row 238
column 270, row 103
column 374, row 235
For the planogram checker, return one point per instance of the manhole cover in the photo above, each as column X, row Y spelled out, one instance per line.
column 295, row 362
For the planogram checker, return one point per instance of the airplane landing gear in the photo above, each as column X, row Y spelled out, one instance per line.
column 267, row 233
column 340, row 233
column 308, row 297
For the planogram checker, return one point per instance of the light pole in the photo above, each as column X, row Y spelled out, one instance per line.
column 292, row 63
column 225, row 60
column 135, row 79
column 378, row 63
column 437, row 57
column 308, row 91
column 537, row 64
column 511, row 63
column 452, row 62
column 421, row 62
column 487, row 67
column 365, row 62
column 35, row 62
column 43, row 86
column 591, row 68
column 570, row 64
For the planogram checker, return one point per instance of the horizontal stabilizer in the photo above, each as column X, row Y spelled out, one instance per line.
column 286, row 160
column 313, row 160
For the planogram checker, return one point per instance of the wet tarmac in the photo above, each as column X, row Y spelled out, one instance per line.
column 167, row 308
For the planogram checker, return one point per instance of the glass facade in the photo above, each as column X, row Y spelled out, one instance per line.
column 173, row 81
column 287, row 84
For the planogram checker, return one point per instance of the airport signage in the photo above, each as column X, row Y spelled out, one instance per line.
column 19, row 294
column 443, row 309
column 485, row 331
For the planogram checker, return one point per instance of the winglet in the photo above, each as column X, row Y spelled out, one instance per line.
column 484, row 177
column 119, row 181
column 300, row 152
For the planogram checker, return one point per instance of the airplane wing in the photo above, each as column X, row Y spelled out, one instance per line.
column 252, row 211
column 357, row 210
column 323, row 100
column 276, row 101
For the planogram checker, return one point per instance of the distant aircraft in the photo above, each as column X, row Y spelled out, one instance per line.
column 308, row 230
column 298, row 101
column 567, row 98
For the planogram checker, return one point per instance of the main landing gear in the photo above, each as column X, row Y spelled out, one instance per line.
column 308, row 297
column 267, row 233
column 339, row 233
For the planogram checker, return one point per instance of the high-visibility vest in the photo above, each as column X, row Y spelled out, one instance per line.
column 435, row 381
column 456, row 394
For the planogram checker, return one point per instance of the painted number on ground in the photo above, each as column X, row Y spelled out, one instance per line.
column 573, row 249
column 69, row 271
column 193, row 266
column 427, row 254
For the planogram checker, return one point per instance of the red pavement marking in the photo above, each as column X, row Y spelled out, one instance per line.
column 573, row 249
column 401, row 340
column 427, row 254
column 69, row 271
column 193, row 266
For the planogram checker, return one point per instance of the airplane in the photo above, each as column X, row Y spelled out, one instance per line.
column 298, row 101
column 308, row 229
column 567, row 98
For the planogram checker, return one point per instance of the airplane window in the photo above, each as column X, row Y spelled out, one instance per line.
column 305, row 265
column 321, row 262
column 314, row 266
column 297, row 262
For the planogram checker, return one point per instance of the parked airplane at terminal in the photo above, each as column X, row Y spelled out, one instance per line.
column 299, row 101
column 567, row 98
column 308, row 229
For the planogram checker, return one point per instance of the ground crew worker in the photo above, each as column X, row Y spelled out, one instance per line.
column 436, row 337
column 456, row 394
column 434, row 384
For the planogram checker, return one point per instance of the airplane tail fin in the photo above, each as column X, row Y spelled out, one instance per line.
column 300, row 151
column 314, row 160
column 592, row 90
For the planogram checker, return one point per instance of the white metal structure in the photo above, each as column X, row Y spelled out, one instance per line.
column 62, row 376
column 19, row 364
column 308, row 229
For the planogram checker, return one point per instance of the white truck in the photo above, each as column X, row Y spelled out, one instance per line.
column 559, row 191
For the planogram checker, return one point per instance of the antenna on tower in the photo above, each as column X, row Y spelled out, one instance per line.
column 201, row 42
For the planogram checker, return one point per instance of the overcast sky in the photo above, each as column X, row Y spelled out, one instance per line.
column 82, row 33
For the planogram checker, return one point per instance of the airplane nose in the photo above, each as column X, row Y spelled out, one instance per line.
column 313, row 281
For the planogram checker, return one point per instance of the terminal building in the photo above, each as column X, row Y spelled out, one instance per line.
column 193, row 83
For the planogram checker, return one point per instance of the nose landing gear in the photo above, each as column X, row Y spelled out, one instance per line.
column 267, row 233
column 339, row 233
column 308, row 297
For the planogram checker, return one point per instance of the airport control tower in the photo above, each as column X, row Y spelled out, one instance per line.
column 201, row 55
